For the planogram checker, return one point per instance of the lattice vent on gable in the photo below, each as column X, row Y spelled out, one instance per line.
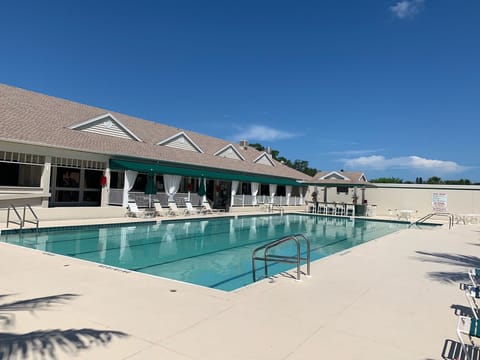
column 107, row 125
column 264, row 160
column 229, row 153
column 181, row 141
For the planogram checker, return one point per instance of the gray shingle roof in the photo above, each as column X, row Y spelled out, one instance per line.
column 29, row 117
column 350, row 178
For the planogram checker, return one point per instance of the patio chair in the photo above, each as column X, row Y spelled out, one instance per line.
column 350, row 210
column 159, row 210
column 471, row 328
column 474, row 275
column 339, row 209
column 331, row 209
column 190, row 210
column 472, row 293
column 133, row 211
column 173, row 209
column 207, row 209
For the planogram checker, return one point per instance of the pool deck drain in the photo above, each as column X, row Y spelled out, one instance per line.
column 389, row 298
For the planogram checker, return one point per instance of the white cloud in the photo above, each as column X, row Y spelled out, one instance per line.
column 263, row 133
column 407, row 8
column 378, row 162
column 354, row 152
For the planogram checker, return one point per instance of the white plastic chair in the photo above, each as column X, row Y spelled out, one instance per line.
column 474, row 275
column 207, row 209
column 472, row 293
column 159, row 210
column 471, row 328
column 190, row 210
column 173, row 209
column 132, row 210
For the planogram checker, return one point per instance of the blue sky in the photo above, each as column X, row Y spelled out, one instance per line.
column 391, row 88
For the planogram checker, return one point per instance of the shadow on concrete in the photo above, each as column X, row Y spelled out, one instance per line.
column 461, row 310
column 44, row 343
column 463, row 261
column 452, row 350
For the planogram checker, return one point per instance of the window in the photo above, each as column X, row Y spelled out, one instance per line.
column 342, row 189
column 91, row 179
column 140, row 183
column 264, row 189
column 281, row 190
column 20, row 174
column 116, row 180
column 68, row 177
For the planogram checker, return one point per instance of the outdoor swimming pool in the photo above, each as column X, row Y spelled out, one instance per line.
column 212, row 252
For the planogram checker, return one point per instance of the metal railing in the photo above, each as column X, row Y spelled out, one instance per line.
column 295, row 259
column 35, row 221
column 22, row 219
column 429, row 216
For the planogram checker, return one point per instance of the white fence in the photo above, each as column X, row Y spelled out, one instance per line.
column 248, row 200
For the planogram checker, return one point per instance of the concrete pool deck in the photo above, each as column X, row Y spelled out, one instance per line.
column 396, row 297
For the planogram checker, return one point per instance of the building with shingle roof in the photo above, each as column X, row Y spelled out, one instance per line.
column 65, row 153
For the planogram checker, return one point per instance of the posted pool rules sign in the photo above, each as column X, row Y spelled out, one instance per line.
column 439, row 202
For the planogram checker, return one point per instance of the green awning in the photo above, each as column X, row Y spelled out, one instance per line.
column 158, row 168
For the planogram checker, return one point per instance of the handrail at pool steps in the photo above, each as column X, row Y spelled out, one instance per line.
column 296, row 259
column 428, row 216
column 22, row 219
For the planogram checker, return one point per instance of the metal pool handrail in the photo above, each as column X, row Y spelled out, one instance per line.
column 36, row 221
column 20, row 221
column 281, row 258
column 426, row 217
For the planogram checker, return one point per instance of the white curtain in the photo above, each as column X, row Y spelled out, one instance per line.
column 172, row 183
column 273, row 190
column 235, row 184
column 288, row 190
column 302, row 191
column 130, row 177
column 254, row 186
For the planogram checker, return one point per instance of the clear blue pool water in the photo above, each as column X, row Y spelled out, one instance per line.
column 213, row 252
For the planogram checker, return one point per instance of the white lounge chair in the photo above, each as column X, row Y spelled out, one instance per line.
column 190, row 210
column 471, row 328
column 207, row 209
column 173, row 209
column 133, row 211
column 474, row 275
column 159, row 210
column 472, row 293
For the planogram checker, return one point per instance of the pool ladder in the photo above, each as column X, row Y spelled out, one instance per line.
column 426, row 217
column 22, row 219
column 295, row 259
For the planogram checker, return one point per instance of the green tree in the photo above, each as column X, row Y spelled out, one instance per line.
column 300, row 165
column 434, row 180
column 458, row 182
column 387, row 180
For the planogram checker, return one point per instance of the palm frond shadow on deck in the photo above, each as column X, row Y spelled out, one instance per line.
column 44, row 343
column 462, row 261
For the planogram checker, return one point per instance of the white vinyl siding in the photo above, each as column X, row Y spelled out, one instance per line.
column 264, row 160
column 230, row 153
column 107, row 127
column 181, row 141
